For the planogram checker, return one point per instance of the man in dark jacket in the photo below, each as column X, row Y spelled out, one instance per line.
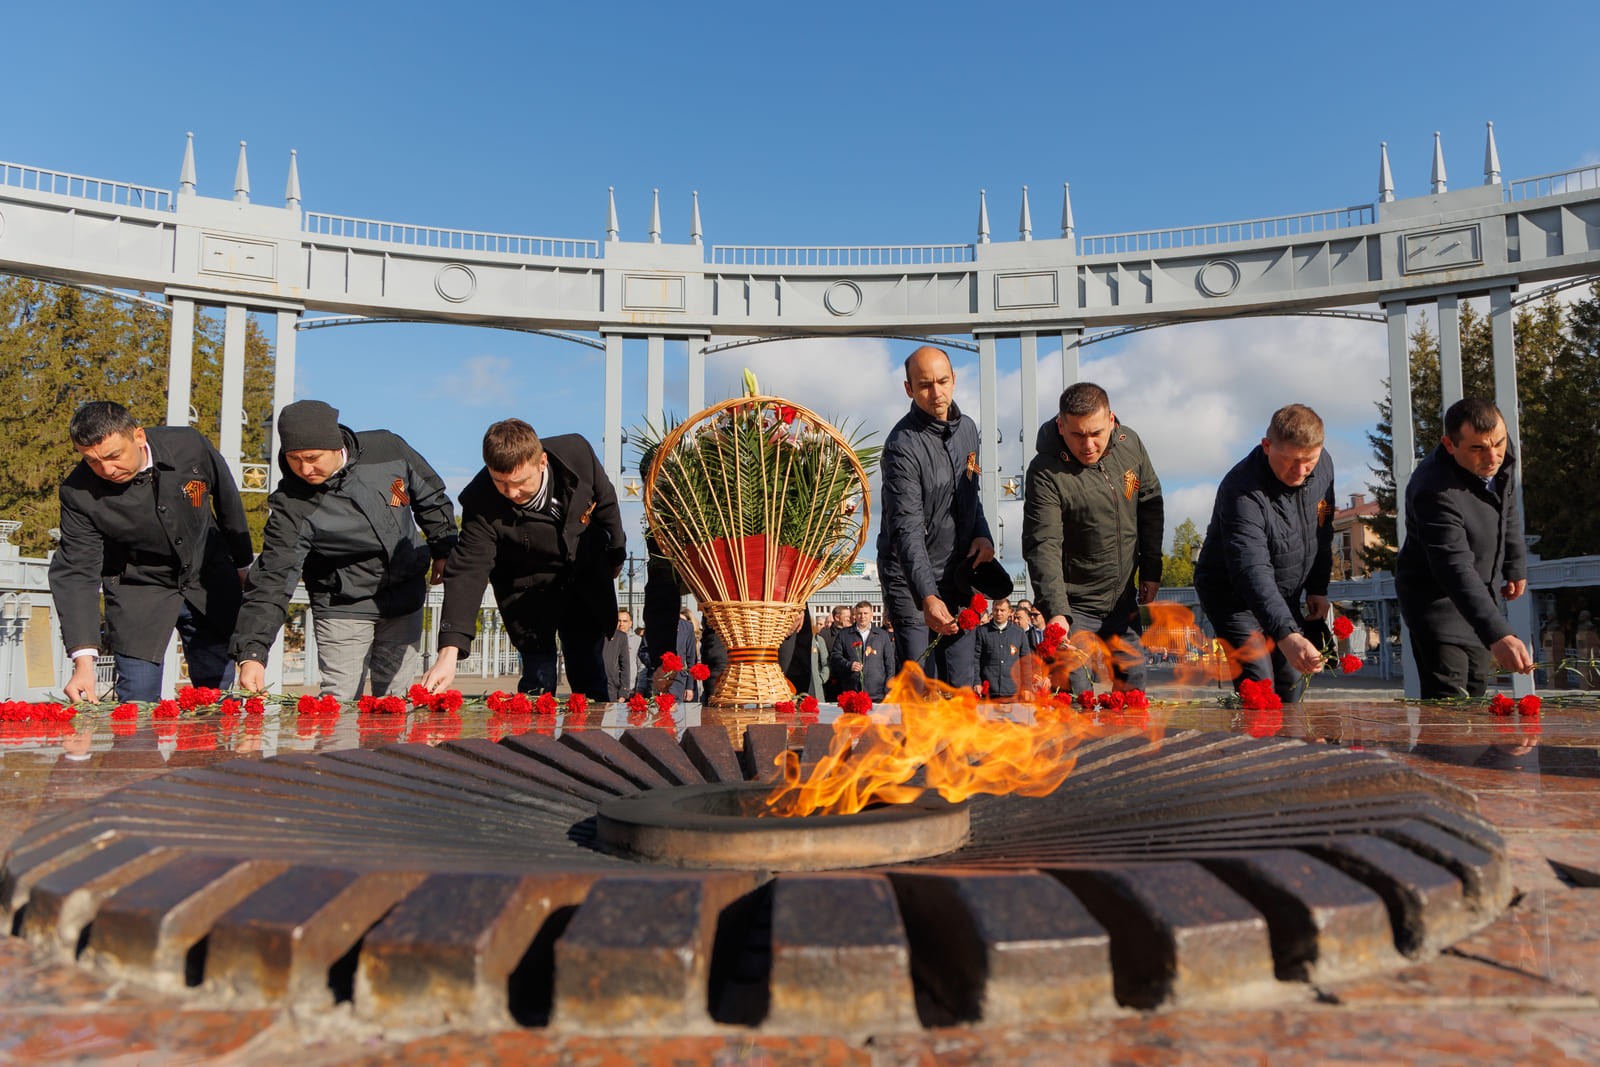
column 540, row 522
column 622, row 657
column 1092, row 519
column 1001, row 643
column 933, row 521
column 1270, row 541
column 864, row 656
column 152, row 519
column 366, row 523
column 1463, row 556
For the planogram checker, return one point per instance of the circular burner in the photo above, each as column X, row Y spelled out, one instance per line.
column 725, row 826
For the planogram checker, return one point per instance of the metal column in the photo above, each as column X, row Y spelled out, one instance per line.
column 697, row 374
column 282, row 387
column 988, row 449
column 1519, row 612
column 230, row 437
column 1071, row 371
column 1404, row 452
column 1449, row 351
column 180, row 362
column 655, row 383
column 611, row 441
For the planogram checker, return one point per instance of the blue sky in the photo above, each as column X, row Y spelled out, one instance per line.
column 819, row 124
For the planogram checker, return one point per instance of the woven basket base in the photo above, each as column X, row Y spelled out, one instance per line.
column 750, row 625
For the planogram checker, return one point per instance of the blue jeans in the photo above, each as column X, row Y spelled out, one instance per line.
column 205, row 649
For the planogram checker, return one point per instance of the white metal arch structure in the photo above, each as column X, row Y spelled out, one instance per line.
column 1437, row 247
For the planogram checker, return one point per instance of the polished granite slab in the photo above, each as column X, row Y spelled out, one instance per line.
column 1526, row 989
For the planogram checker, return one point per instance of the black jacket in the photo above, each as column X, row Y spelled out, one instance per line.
column 361, row 541
column 876, row 656
column 541, row 570
column 932, row 510
column 1463, row 541
column 1266, row 544
column 175, row 534
column 1086, row 530
column 998, row 652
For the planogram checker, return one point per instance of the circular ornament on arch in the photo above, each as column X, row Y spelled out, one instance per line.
column 843, row 298
column 456, row 283
column 1220, row 277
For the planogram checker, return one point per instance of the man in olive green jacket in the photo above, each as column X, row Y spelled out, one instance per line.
column 1092, row 520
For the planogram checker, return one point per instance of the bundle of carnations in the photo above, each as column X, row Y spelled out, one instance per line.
column 758, row 502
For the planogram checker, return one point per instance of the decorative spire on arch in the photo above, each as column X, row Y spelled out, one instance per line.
column 1440, row 182
column 241, row 179
column 186, row 181
column 1385, row 176
column 1025, row 222
column 291, row 191
column 612, row 232
column 695, row 232
column 1067, row 228
column 1491, row 160
column 655, row 216
column 983, row 217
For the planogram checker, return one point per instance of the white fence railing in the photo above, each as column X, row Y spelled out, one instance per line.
column 1568, row 181
column 1227, row 232
column 400, row 233
column 100, row 190
column 839, row 255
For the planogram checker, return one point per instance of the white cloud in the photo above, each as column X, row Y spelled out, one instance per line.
column 481, row 381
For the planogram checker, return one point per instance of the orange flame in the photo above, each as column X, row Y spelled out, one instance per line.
column 958, row 746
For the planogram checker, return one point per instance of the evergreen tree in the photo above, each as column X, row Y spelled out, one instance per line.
column 1177, row 567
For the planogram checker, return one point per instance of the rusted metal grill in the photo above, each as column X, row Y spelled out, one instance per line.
column 465, row 885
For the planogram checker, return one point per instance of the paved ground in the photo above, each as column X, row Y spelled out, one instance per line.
column 1525, row 990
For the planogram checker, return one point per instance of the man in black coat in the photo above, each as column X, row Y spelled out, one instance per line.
column 1270, row 541
column 934, row 530
column 1463, row 556
column 152, row 519
column 1001, row 643
column 366, row 522
column 863, row 656
column 540, row 522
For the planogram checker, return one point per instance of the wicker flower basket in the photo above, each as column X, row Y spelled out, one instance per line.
column 758, row 503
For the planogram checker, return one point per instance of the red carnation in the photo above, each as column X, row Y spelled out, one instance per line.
column 979, row 603
column 418, row 695
column 519, row 704
column 1343, row 627
column 786, row 413
column 1135, row 699
column 968, row 619
column 1529, row 706
column 664, row 702
column 1500, row 704
column 1350, row 664
column 497, row 701
column 855, row 702
column 1086, row 700
column 1050, row 643
column 577, row 704
column 672, row 662
column 1258, row 694
column 808, row 705
column 699, row 672
column 1112, row 701
column 784, row 708
column 124, row 712
column 546, row 704
column 255, row 706
column 637, row 703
